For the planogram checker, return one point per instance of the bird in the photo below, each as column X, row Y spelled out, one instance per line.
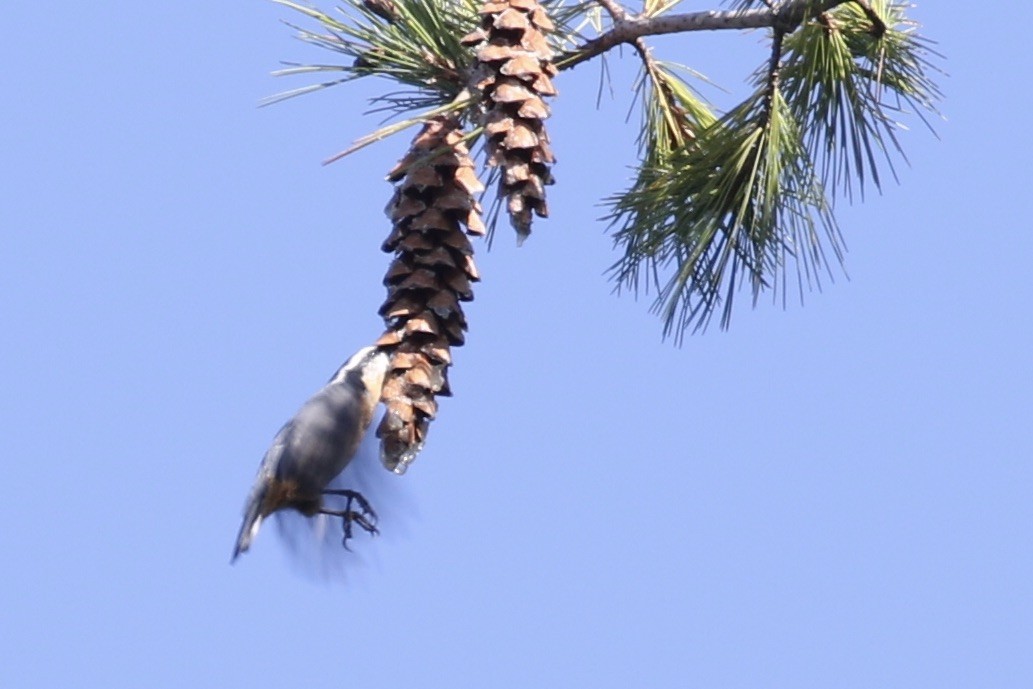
column 314, row 446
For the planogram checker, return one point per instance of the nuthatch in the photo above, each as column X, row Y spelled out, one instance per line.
column 315, row 446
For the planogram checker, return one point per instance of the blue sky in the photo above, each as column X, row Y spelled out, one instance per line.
column 833, row 495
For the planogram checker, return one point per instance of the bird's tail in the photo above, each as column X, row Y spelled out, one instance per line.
column 252, row 520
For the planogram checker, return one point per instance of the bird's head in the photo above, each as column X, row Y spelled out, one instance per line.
column 369, row 365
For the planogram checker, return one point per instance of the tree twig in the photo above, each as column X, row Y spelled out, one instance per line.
column 786, row 17
column 615, row 10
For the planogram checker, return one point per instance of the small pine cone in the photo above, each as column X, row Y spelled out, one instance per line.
column 679, row 127
column 514, row 72
column 385, row 9
column 428, row 278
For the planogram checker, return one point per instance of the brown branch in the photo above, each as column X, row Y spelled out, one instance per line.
column 786, row 18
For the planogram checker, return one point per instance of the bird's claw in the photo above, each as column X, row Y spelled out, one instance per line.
column 354, row 517
column 365, row 516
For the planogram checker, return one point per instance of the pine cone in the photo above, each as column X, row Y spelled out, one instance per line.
column 429, row 277
column 385, row 9
column 514, row 72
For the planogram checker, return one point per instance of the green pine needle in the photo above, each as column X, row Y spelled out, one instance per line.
column 843, row 81
column 739, row 205
column 745, row 201
column 420, row 49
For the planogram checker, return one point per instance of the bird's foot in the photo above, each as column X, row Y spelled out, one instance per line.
column 365, row 516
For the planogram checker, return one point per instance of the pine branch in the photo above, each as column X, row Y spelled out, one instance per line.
column 748, row 197
column 785, row 17
column 717, row 202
